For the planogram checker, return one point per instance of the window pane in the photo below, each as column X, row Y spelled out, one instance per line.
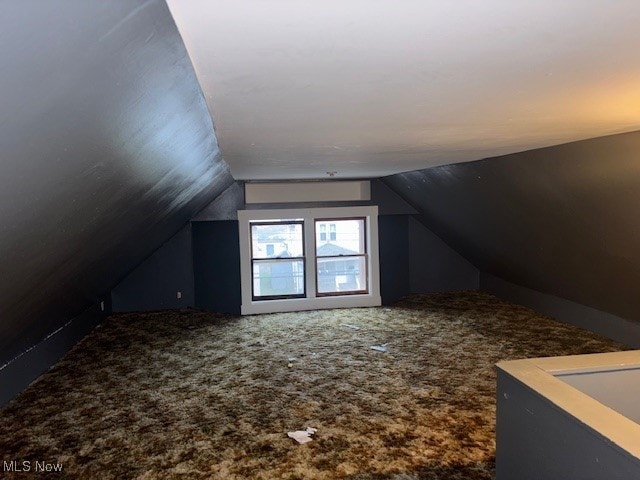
column 278, row 278
column 342, row 274
column 346, row 237
column 281, row 240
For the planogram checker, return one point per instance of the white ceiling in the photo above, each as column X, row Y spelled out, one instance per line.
column 367, row 88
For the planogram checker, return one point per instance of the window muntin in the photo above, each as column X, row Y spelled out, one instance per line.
column 277, row 259
column 341, row 261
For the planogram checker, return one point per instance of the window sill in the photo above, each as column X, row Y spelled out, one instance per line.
column 312, row 303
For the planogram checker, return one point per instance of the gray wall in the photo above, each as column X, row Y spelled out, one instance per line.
column 25, row 368
column 388, row 201
column 107, row 151
column 225, row 206
column 216, row 266
column 434, row 266
column 606, row 324
column 155, row 283
column 393, row 244
column 412, row 259
column 559, row 220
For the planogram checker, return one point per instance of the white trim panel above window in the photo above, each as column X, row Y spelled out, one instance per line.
column 291, row 192
column 356, row 275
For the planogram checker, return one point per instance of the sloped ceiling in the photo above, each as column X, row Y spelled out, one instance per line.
column 107, row 150
column 561, row 220
column 368, row 88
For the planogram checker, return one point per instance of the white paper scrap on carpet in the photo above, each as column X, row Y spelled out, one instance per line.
column 380, row 348
column 302, row 436
column 348, row 325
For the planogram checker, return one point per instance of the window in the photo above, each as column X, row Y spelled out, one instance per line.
column 311, row 258
column 341, row 267
column 277, row 259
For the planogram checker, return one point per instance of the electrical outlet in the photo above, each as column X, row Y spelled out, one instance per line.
column 178, row 295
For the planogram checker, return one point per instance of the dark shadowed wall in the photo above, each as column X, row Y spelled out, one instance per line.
column 393, row 244
column 216, row 265
column 158, row 282
column 435, row 266
column 107, row 151
column 560, row 220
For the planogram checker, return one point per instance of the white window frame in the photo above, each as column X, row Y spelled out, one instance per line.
column 311, row 301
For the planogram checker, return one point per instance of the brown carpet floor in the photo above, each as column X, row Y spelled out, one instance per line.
column 189, row 394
